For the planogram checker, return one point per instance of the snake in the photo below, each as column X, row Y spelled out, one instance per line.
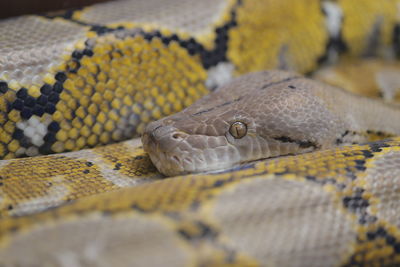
column 300, row 173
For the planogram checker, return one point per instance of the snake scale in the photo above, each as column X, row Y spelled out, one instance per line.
column 71, row 81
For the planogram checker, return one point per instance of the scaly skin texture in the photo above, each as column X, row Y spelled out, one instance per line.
column 109, row 70
column 89, row 77
column 283, row 113
column 327, row 208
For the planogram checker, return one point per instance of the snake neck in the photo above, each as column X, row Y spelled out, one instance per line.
column 365, row 119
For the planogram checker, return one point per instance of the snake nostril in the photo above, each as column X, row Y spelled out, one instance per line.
column 175, row 158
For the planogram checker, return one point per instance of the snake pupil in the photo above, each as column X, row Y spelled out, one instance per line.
column 238, row 129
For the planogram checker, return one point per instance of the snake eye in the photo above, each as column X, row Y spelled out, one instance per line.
column 238, row 129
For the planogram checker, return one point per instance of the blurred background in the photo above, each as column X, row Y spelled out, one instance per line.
column 13, row 8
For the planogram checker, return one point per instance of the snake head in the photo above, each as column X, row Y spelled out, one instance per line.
column 256, row 116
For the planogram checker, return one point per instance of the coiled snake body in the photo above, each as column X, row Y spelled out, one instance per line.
column 78, row 79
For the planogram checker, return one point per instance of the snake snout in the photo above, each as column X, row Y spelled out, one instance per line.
column 162, row 137
column 165, row 145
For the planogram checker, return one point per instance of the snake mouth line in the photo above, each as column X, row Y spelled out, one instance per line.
column 166, row 163
column 183, row 156
column 177, row 153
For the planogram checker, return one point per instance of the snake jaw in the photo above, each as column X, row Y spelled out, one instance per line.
column 179, row 162
column 165, row 162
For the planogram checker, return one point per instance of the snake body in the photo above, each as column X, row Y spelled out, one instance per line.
column 79, row 79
